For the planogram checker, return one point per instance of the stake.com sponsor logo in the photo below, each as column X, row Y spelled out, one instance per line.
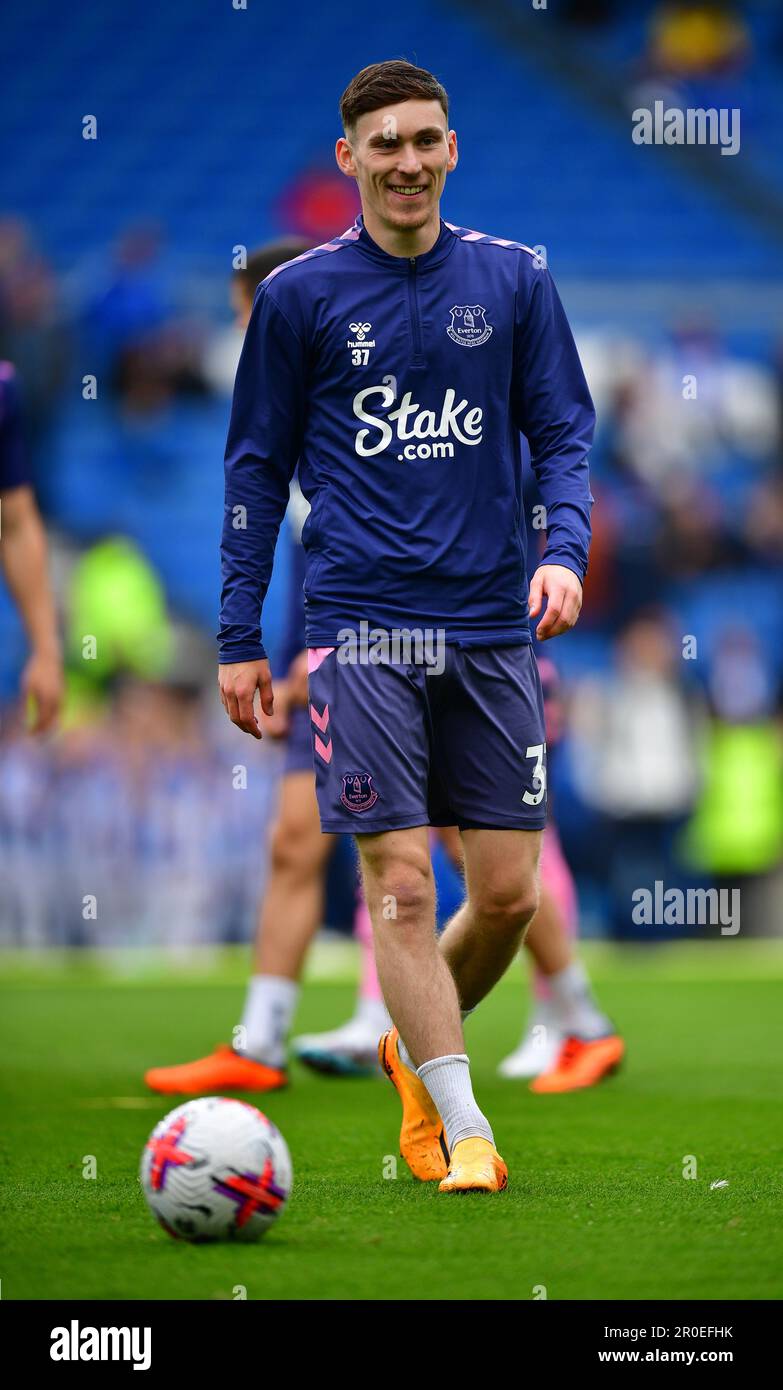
column 414, row 423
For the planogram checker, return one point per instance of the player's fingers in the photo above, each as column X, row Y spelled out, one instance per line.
column 572, row 607
column 536, row 595
column 558, row 628
column 561, row 621
column 267, row 694
column 546, row 628
column 231, row 705
column 247, row 719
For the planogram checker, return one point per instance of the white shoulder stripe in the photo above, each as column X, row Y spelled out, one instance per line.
column 335, row 244
column 465, row 234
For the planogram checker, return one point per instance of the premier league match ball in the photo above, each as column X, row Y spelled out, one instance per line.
column 216, row 1169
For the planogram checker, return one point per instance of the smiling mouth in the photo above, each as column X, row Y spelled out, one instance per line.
column 407, row 190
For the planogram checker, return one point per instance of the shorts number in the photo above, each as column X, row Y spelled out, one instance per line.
column 360, row 357
column 536, row 750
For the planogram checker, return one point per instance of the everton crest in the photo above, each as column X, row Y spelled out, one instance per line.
column 468, row 325
column 358, row 792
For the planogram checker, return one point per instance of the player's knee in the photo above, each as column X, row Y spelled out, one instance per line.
column 400, row 886
column 509, row 905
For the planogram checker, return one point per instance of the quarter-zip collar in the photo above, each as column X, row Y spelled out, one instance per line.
column 401, row 264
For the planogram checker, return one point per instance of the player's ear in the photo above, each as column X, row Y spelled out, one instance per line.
column 344, row 156
column 453, row 151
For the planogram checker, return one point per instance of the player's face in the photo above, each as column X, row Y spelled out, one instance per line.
column 402, row 147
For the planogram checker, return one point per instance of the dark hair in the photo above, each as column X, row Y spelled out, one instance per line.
column 265, row 259
column 387, row 84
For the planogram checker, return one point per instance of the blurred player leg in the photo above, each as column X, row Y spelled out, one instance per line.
column 352, row 1049
column 543, row 1038
column 586, row 1044
column 290, row 915
column 563, row 1002
column 570, row 1042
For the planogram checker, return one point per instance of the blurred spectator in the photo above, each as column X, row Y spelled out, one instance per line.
column 635, row 759
column 132, row 829
column 692, row 38
column 132, row 304
column 318, row 204
column 222, row 355
column 135, row 340
column 695, row 409
column 736, row 833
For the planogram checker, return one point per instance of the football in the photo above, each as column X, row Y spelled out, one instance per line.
column 216, row 1169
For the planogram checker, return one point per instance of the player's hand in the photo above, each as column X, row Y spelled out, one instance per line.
column 238, row 685
column 42, row 682
column 563, row 592
column 298, row 692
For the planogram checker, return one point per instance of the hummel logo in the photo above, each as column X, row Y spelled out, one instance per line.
column 321, row 721
column 360, row 345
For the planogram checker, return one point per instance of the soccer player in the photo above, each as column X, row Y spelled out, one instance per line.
column 397, row 364
column 23, row 559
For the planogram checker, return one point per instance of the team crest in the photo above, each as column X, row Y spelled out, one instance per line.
column 358, row 792
column 468, row 325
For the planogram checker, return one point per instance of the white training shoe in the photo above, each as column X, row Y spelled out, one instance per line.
column 351, row 1050
column 538, row 1050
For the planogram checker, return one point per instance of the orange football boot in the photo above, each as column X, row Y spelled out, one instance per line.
column 223, row 1070
column 475, row 1166
column 422, row 1136
column 581, row 1063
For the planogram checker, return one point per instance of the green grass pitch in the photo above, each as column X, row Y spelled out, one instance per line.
column 597, row 1205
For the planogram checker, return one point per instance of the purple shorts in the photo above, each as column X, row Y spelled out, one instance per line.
column 395, row 747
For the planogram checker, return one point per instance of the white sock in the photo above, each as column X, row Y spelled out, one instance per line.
column 373, row 1014
column 269, row 1008
column 577, row 1010
column 405, row 1055
column 448, row 1081
column 543, row 1022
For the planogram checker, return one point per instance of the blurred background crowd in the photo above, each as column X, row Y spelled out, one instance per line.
column 116, row 255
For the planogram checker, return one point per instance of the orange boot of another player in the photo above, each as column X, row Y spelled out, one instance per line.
column 223, row 1070
column 422, row 1136
column 580, row 1063
column 475, row 1166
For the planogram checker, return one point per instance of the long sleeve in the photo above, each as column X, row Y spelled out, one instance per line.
column 264, row 441
column 552, row 408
